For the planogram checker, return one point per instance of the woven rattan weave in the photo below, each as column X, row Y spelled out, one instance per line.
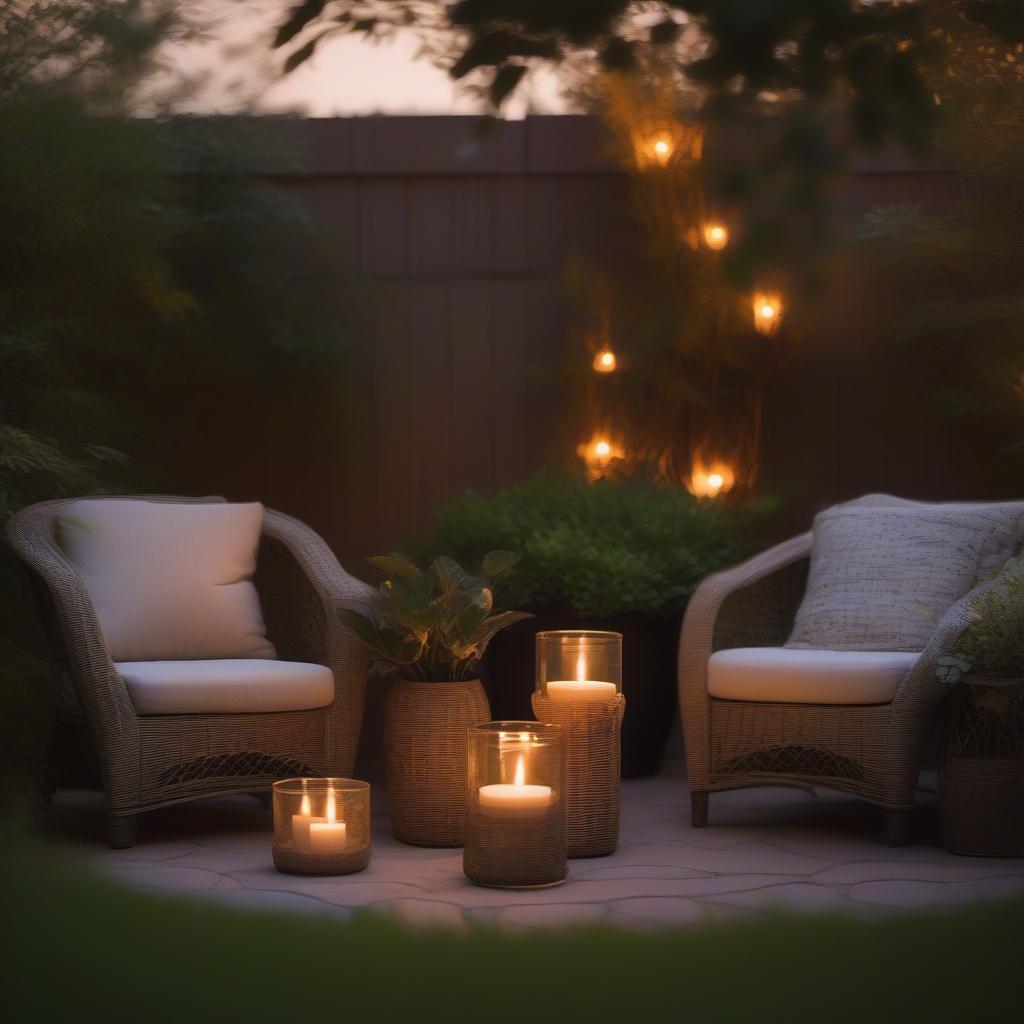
column 150, row 762
column 872, row 751
column 592, row 770
column 426, row 728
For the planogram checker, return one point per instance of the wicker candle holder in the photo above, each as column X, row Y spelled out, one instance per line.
column 321, row 826
column 515, row 828
column 579, row 682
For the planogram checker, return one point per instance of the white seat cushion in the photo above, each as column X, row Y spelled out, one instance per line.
column 169, row 580
column 225, row 686
column 796, row 676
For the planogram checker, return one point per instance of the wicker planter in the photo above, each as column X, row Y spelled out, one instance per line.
column 426, row 730
column 982, row 802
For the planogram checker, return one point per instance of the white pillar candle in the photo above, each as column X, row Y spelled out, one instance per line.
column 515, row 799
column 328, row 835
column 301, row 823
column 581, row 688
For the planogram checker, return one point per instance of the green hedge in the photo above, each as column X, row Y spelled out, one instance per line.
column 604, row 548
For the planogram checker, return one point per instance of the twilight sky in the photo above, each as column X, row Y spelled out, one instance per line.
column 233, row 68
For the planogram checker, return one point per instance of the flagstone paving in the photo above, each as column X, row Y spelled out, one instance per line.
column 767, row 851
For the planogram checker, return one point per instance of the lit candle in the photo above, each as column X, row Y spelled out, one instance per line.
column 581, row 688
column 515, row 799
column 301, row 823
column 328, row 836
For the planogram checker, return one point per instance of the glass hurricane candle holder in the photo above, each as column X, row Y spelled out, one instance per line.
column 579, row 682
column 321, row 826
column 515, row 829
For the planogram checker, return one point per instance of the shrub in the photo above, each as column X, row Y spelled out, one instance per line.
column 603, row 548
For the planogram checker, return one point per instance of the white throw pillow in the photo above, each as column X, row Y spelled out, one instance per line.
column 882, row 577
column 169, row 580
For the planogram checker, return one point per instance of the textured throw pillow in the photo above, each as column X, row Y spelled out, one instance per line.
column 169, row 580
column 882, row 577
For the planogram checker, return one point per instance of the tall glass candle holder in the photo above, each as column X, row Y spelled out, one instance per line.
column 579, row 686
column 515, row 828
column 321, row 826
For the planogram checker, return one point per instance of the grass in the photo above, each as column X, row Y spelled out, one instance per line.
column 84, row 949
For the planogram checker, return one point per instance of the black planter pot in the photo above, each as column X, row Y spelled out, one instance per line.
column 648, row 677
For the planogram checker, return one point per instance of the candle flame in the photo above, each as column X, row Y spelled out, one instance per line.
column 520, row 776
column 332, row 813
column 581, row 668
column 305, row 807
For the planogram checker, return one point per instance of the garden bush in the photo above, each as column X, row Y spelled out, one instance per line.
column 601, row 548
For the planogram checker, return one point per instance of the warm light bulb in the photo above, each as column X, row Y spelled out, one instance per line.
column 602, row 449
column 604, row 361
column 662, row 148
column 715, row 481
column 716, row 236
column 767, row 312
column 520, row 777
column 581, row 668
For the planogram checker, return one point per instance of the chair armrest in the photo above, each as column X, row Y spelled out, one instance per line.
column 73, row 623
column 751, row 603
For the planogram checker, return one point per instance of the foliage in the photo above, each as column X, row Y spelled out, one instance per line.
column 152, row 298
column 938, row 967
column 984, row 717
column 803, row 83
column 950, row 283
column 433, row 625
column 605, row 548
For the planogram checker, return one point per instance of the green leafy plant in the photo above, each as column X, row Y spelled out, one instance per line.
column 603, row 548
column 984, row 709
column 434, row 624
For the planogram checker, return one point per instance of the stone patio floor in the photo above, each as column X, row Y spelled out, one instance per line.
column 766, row 851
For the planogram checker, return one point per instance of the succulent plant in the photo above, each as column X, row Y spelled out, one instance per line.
column 432, row 624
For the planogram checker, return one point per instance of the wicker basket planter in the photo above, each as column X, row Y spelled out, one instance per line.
column 592, row 770
column 982, row 802
column 426, row 726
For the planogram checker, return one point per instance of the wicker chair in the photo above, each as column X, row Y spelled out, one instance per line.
column 157, row 760
column 871, row 750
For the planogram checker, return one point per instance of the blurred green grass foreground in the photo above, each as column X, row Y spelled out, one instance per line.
column 84, row 949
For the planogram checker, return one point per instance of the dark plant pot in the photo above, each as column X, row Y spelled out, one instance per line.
column 648, row 676
column 982, row 801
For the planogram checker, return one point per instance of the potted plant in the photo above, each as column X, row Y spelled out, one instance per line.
column 981, row 771
column 619, row 554
column 432, row 626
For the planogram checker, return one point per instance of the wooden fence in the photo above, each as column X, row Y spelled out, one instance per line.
column 456, row 247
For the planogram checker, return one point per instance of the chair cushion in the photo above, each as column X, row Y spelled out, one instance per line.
column 225, row 686
column 881, row 577
column 169, row 580
column 791, row 676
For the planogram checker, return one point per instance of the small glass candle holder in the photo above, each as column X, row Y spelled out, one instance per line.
column 579, row 682
column 579, row 664
column 515, row 828
column 321, row 826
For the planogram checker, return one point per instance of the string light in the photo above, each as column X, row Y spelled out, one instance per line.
column 716, row 236
column 605, row 361
column 767, row 312
column 710, row 481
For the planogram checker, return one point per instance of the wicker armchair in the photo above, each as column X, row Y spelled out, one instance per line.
column 871, row 750
column 156, row 760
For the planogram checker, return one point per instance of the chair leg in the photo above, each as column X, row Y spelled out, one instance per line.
column 122, row 830
column 699, row 808
column 896, row 831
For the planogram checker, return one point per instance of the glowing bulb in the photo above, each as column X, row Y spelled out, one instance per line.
column 520, row 777
column 581, row 668
column 604, row 361
column 715, row 481
column 662, row 148
column 767, row 312
column 716, row 236
column 602, row 449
